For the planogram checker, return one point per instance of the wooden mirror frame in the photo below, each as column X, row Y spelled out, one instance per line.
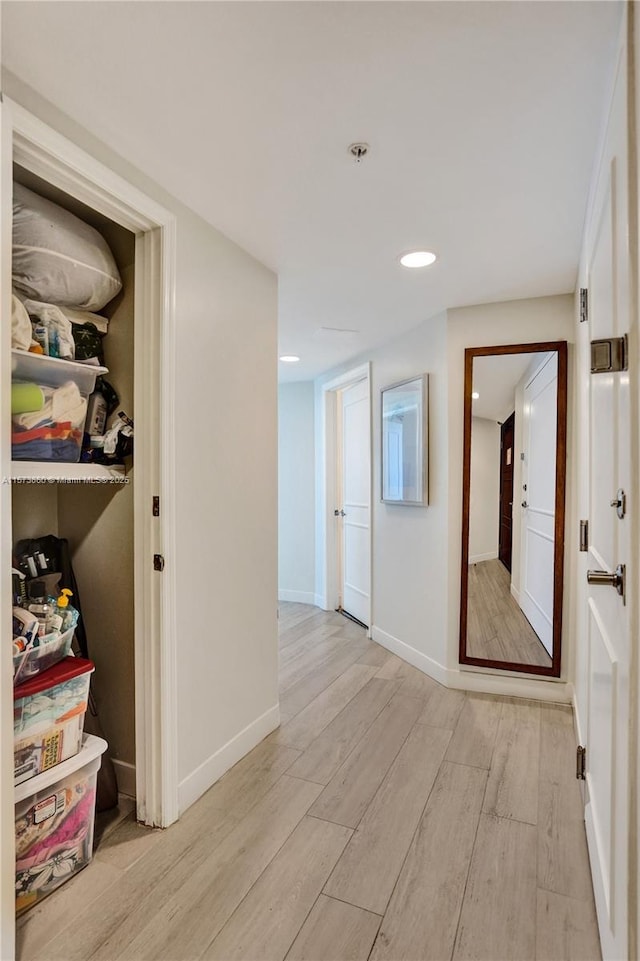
column 561, row 458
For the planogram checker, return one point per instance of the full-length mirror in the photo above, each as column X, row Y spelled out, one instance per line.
column 514, row 466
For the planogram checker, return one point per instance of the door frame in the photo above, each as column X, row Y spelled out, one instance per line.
column 512, row 418
column 51, row 156
column 327, row 596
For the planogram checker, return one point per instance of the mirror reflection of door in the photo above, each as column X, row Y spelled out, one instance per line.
column 510, row 613
column 538, row 516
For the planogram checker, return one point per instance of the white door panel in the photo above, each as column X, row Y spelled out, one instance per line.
column 538, row 520
column 608, row 446
column 602, row 746
column 355, row 483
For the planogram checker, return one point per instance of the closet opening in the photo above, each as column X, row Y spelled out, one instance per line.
column 108, row 514
column 96, row 518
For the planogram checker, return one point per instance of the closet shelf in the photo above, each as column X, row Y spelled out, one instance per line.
column 42, row 472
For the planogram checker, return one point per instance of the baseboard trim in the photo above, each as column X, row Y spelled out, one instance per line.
column 126, row 777
column 409, row 654
column 478, row 558
column 515, row 593
column 211, row 770
column 508, row 685
column 298, row 597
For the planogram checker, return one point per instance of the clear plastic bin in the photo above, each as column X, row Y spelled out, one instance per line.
column 48, row 717
column 54, row 820
column 54, row 372
column 62, row 441
column 51, row 649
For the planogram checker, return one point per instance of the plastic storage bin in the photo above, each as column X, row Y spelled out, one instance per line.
column 51, row 649
column 54, row 819
column 48, row 717
column 61, row 439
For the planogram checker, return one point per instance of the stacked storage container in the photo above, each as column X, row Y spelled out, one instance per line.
column 54, row 818
column 55, row 771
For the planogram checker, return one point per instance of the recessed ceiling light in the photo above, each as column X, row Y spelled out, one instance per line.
column 475, row 395
column 417, row 258
column 289, row 359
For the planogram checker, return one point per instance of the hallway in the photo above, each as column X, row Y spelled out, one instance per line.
column 388, row 817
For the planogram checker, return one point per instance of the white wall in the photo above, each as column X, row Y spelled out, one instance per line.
column 511, row 322
column 484, row 496
column 296, row 493
column 417, row 551
column 410, row 546
column 226, row 509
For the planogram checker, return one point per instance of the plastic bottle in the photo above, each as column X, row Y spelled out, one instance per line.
column 58, row 616
column 40, row 606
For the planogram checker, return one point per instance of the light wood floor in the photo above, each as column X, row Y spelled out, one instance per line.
column 496, row 627
column 388, row 818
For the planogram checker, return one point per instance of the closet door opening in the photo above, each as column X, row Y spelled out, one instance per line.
column 97, row 519
column 117, row 523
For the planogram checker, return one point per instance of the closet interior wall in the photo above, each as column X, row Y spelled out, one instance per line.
column 97, row 519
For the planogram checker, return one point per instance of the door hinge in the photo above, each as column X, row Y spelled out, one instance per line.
column 156, row 506
column 584, row 305
column 584, row 535
column 610, row 355
column 158, row 562
column 581, row 762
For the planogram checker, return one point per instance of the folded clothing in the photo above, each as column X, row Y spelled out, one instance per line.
column 60, row 443
column 53, row 433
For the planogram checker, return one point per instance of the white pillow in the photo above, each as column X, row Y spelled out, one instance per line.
column 58, row 258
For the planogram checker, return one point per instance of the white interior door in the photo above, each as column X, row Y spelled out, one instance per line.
column 538, row 516
column 355, row 487
column 605, row 616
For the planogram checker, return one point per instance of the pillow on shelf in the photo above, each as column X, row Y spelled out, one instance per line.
column 57, row 258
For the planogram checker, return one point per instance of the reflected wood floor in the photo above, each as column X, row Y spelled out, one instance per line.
column 387, row 818
column 496, row 627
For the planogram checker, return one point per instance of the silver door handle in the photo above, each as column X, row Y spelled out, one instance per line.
column 617, row 579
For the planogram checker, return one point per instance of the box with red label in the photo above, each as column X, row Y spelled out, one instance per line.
column 48, row 717
column 54, row 818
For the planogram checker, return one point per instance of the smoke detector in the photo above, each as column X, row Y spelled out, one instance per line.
column 358, row 151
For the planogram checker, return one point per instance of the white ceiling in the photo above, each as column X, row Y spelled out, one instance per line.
column 495, row 378
column 483, row 120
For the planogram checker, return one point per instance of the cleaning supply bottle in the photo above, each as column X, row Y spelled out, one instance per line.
column 58, row 616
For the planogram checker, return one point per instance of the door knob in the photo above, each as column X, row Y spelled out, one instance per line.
column 524, row 504
column 338, row 513
column 617, row 580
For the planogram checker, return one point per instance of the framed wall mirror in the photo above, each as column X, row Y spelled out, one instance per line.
column 405, row 442
column 513, row 507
